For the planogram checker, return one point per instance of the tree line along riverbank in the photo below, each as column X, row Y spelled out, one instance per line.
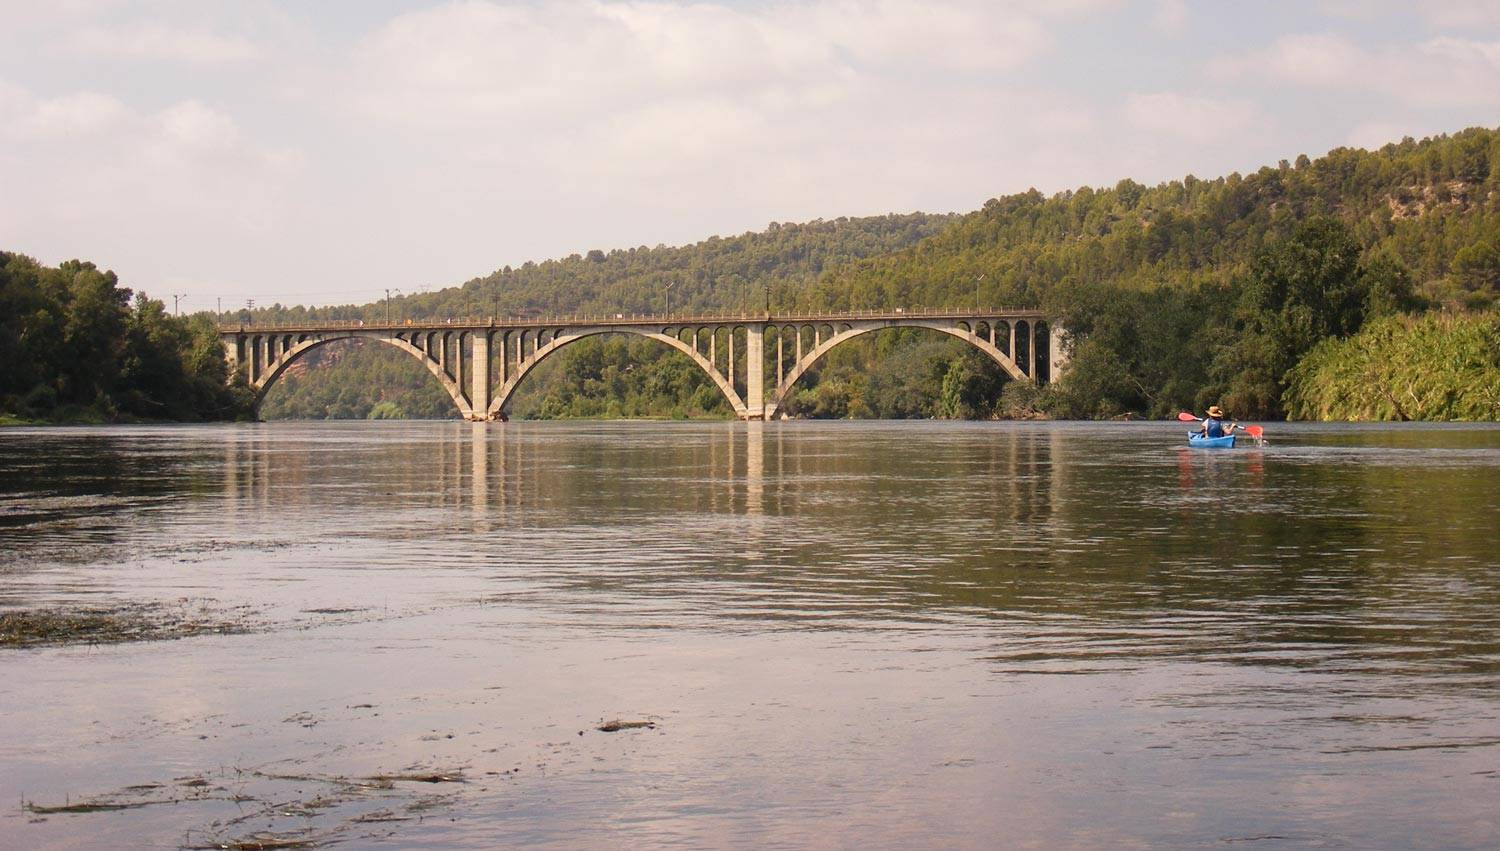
column 78, row 347
column 1257, row 292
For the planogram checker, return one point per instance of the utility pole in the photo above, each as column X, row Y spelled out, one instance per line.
column 669, row 297
column 175, row 298
column 976, row 290
column 388, row 292
column 249, row 311
column 218, row 308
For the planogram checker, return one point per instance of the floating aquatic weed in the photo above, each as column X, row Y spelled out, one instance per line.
column 617, row 725
column 115, row 624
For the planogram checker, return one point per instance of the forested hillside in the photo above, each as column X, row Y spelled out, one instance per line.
column 1200, row 291
column 1431, row 206
column 1177, row 295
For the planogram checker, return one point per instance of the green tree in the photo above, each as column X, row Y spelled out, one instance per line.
column 76, row 347
column 1476, row 268
column 1300, row 290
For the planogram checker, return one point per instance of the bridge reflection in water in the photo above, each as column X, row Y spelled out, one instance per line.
column 461, row 479
column 753, row 360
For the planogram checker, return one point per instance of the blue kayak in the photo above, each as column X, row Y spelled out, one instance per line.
column 1201, row 442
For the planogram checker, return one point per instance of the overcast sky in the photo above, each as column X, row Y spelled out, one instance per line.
column 320, row 152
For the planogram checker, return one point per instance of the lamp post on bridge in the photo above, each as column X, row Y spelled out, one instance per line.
column 669, row 296
column 388, row 291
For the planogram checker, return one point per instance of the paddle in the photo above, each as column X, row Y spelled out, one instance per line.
column 1254, row 431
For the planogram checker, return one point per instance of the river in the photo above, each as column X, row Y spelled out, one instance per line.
column 839, row 634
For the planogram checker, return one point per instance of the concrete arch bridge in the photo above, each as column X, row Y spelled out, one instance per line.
column 754, row 360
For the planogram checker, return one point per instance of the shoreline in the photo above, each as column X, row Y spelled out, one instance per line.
column 11, row 421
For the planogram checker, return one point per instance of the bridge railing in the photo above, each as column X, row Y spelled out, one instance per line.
column 598, row 319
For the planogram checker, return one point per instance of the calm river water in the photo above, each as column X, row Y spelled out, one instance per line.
column 844, row 634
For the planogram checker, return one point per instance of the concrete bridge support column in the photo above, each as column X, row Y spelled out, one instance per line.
column 1031, row 350
column 755, row 372
column 232, row 356
column 479, row 375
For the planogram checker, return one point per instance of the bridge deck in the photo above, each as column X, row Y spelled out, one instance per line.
column 633, row 319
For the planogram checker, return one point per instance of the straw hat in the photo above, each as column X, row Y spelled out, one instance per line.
column 1213, row 411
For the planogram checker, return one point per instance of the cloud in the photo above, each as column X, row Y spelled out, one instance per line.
column 1459, row 14
column 1467, row 16
column 1441, row 71
column 485, row 62
column 156, row 42
column 1199, row 120
column 1313, row 59
column 1171, row 16
column 86, row 163
column 69, row 116
column 781, row 107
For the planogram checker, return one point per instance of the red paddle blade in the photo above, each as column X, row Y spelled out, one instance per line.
column 1255, row 431
column 1187, row 417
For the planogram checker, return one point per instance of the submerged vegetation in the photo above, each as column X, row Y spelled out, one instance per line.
column 113, row 624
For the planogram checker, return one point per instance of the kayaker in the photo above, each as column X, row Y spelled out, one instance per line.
column 1214, row 425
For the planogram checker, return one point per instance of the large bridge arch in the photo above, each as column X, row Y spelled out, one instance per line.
column 848, row 331
column 561, row 338
column 293, row 347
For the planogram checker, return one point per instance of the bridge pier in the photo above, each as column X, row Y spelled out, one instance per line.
column 479, row 376
column 755, row 371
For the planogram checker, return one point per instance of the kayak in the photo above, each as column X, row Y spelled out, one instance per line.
column 1201, row 442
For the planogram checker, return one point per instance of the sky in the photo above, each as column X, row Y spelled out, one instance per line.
column 320, row 153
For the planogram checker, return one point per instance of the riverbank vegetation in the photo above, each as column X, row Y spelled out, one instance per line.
column 1433, row 367
column 78, row 347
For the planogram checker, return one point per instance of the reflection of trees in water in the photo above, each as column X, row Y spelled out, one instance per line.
column 1080, row 549
column 1038, row 528
column 87, row 484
